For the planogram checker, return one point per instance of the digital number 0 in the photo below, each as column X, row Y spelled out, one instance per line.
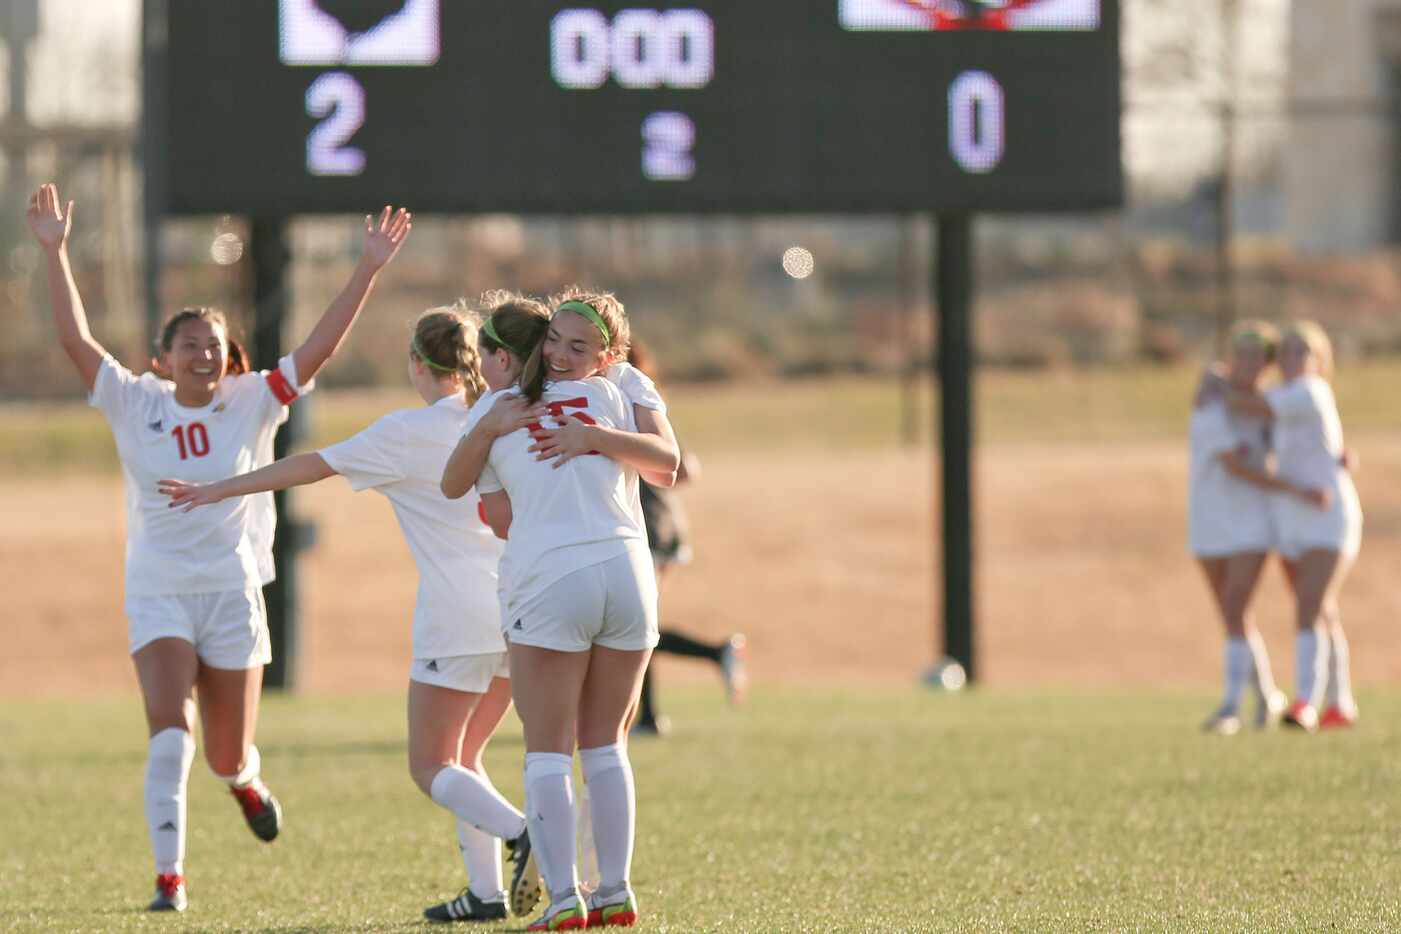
column 977, row 121
column 338, row 101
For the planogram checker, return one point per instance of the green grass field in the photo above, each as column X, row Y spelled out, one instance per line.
column 806, row 810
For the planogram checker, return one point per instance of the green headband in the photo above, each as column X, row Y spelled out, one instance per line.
column 591, row 313
column 489, row 330
column 418, row 350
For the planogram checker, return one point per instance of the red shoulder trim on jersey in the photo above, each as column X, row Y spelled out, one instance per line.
column 281, row 389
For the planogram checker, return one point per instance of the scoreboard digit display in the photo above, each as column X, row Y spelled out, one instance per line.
column 304, row 106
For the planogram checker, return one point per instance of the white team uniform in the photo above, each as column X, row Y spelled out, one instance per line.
column 457, row 640
column 197, row 576
column 1225, row 514
column 576, row 571
column 1308, row 442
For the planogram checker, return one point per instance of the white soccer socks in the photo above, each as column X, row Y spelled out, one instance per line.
column 1238, row 665
column 168, row 760
column 549, row 809
column 1310, row 665
column 1340, row 673
column 474, row 799
column 252, row 768
column 613, row 798
column 1264, row 675
column 481, row 855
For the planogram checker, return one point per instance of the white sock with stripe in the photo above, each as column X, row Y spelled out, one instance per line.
column 474, row 799
column 168, row 760
column 549, row 809
column 481, row 855
column 614, row 800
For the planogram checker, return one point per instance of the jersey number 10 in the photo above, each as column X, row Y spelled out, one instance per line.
column 198, row 440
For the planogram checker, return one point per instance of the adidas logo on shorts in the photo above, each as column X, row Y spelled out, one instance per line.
column 433, row 665
column 518, row 627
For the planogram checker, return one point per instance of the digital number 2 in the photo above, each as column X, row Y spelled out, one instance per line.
column 667, row 138
column 338, row 101
column 197, row 444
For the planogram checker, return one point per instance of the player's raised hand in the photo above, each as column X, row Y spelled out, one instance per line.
column 49, row 224
column 384, row 235
column 186, row 496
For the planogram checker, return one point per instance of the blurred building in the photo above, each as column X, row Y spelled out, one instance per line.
column 1342, row 156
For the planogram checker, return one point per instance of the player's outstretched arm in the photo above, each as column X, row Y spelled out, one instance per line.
column 297, row 470
column 506, row 415
column 383, row 237
column 51, row 225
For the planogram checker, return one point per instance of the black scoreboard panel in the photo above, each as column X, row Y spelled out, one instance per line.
column 305, row 106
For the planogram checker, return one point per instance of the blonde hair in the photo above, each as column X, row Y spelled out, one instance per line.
column 445, row 339
column 1256, row 333
column 1312, row 336
column 614, row 315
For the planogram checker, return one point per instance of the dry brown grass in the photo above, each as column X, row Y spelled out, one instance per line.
column 825, row 559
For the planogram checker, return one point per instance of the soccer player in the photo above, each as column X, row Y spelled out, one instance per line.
column 578, row 593
column 1229, row 526
column 1318, row 521
column 668, row 535
column 193, row 598
column 459, row 687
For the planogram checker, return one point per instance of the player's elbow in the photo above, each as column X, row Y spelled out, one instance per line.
column 451, row 488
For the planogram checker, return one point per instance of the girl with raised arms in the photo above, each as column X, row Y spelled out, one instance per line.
column 197, row 625
column 578, row 592
column 459, row 687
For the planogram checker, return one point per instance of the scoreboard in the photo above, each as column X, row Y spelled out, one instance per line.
column 304, row 106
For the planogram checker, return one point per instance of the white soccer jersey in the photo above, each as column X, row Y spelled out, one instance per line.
column 402, row 456
column 1308, row 437
column 1225, row 514
column 226, row 546
column 564, row 519
column 637, row 386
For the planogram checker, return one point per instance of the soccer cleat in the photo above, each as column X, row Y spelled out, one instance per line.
column 570, row 914
column 260, row 809
column 1336, row 718
column 468, row 907
column 1270, row 710
column 525, row 875
column 733, row 668
column 617, row 910
column 1223, row 723
column 1301, row 715
column 170, row 893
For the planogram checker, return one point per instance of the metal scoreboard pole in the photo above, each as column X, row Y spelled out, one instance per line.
column 271, row 259
column 953, row 360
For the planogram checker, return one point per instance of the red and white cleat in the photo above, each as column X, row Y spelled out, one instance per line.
column 1301, row 715
column 260, row 809
column 170, row 893
column 1335, row 718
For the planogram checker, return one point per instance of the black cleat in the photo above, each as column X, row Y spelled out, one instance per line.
column 260, row 809
column 170, row 894
column 525, row 876
column 467, row 907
